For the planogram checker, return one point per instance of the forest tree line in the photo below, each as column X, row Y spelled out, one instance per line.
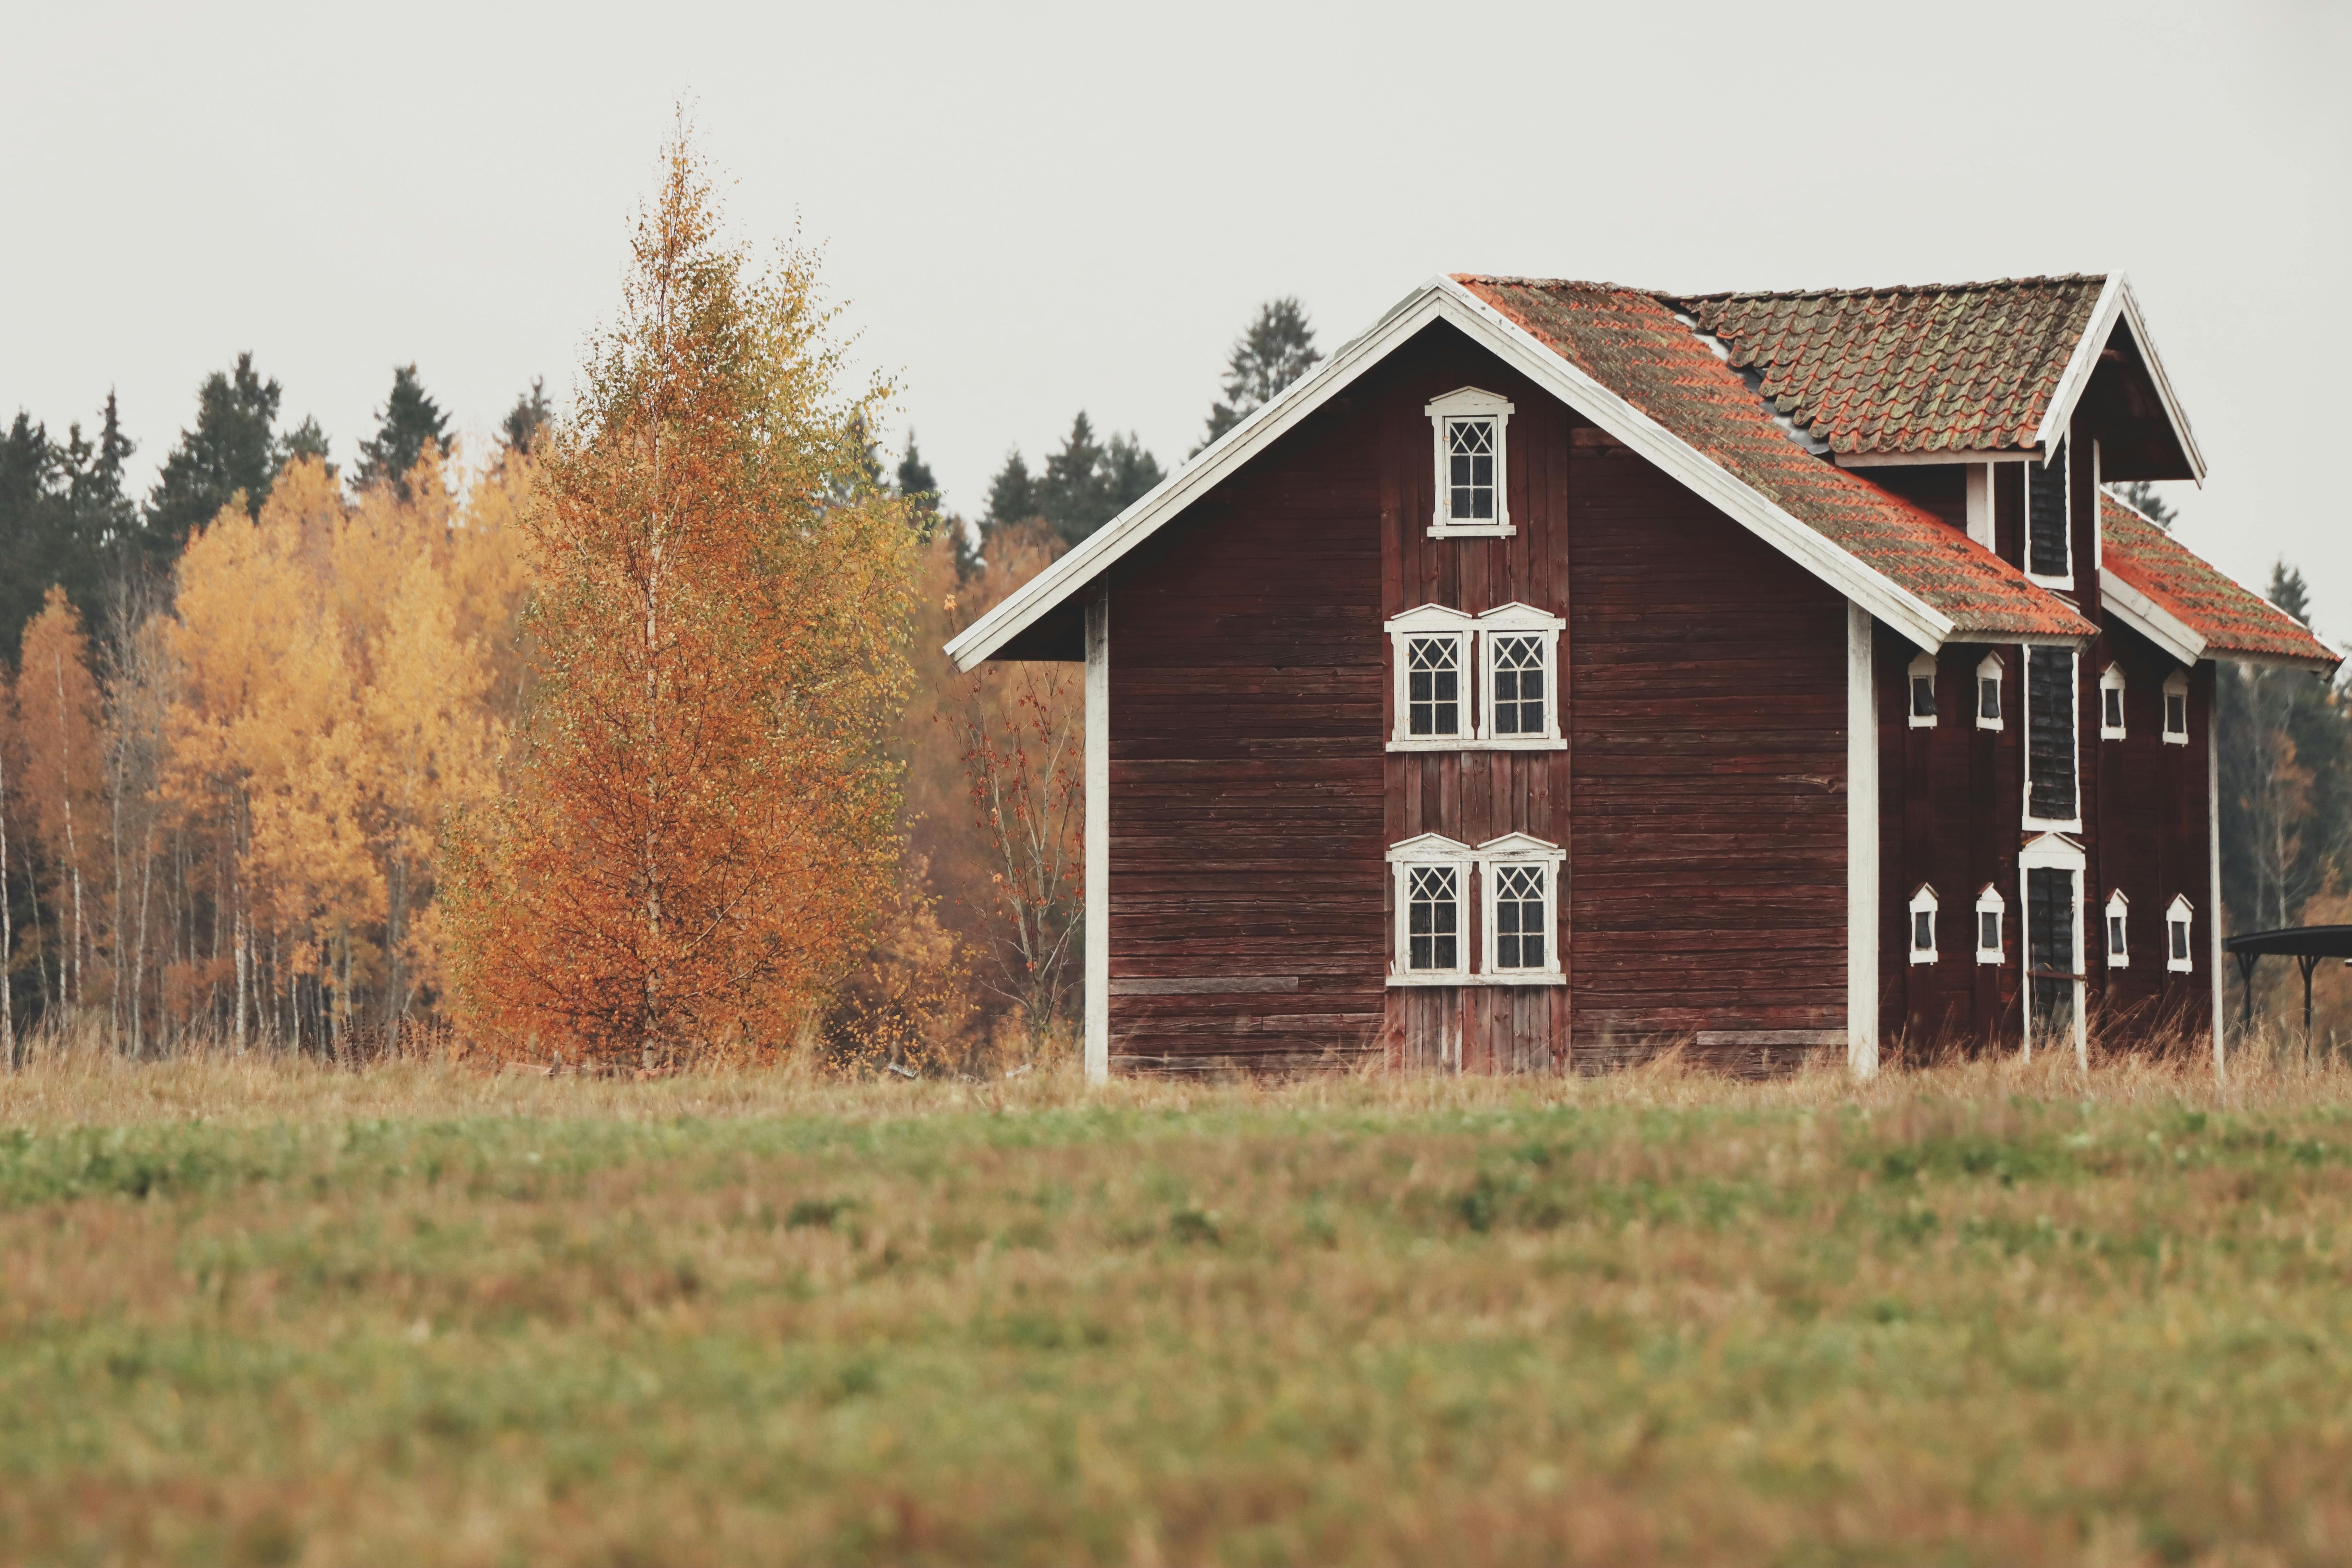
column 299, row 758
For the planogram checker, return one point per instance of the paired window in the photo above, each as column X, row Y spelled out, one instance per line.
column 1489, row 681
column 1923, row 692
column 1990, row 910
column 2177, row 951
column 2111, row 703
column 1989, row 692
column 2048, row 541
column 2118, row 931
column 1472, row 496
column 1515, row 880
column 2051, row 799
column 1923, row 926
column 2176, row 709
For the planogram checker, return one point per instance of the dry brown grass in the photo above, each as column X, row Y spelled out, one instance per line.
column 1995, row 1312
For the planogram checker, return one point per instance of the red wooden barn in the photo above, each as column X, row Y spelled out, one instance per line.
column 1564, row 669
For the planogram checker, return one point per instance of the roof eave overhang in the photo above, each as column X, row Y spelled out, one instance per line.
column 2150, row 619
column 1443, row 298
column 2116, row 302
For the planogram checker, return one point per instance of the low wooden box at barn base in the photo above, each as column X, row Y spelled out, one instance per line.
column 1562, row 673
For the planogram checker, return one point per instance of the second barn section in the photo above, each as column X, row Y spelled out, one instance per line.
column 1564, row 670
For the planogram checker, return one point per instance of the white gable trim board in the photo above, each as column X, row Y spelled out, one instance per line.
column 1443, row 300
column 2116, row 303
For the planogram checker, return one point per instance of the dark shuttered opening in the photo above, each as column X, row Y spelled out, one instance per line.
column 2050, row 732
column 2050, row 948
column 2045, row 516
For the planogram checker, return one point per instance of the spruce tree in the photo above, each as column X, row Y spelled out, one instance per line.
column 1128, row 473
column 916, row 481
column 305, row 441
column 529, row 416
column 1012, row 496
column 1277, row 349
column 409, row 419
column 1072, row 496
column 2140, row 495
column 229, row 450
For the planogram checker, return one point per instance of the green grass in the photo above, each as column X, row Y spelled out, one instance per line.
column 262, row 1315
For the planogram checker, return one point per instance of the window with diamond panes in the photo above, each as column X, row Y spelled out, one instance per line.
column 1434, row 918
column 1433, row 686
column 1470, row 471
column 1518, row 663
column 1520, row 928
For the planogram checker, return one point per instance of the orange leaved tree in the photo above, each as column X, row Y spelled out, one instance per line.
column 699, row 823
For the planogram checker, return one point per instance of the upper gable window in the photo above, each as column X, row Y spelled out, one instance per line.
column 2176, row 709
column 1923, row 692
column 1989, row 692
column 1471, row 427
column 2048, row 536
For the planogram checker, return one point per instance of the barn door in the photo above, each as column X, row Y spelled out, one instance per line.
column 2054, row 990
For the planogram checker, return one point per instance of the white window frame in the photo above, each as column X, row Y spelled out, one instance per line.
column 2115, row 930
column 1432, row 621
column 1989, row 669
column 2176, row 684
column 1426, row 850
column 1518, row 849
column 1922, row 668
column 2180, row 913
column 1922, row 902
column 2025, row 730
column 1990, row 903
column 1471, row 403
column 2049, row 852
column 1517, row 619
column 2111, row 679
column 2064, row 461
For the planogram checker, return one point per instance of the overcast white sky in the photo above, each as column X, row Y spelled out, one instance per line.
column 1030, row 210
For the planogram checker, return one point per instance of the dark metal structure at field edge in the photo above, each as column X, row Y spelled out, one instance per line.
column 2305, row 944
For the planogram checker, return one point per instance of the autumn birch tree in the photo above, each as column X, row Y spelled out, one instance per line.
column 58, row 708
column 699, row 823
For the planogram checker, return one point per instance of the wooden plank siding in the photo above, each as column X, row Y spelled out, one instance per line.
column 1701, row 798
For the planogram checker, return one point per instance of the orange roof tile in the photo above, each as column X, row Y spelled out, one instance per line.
column 1633, row 343
column 2234, row 622
column 1968, row 367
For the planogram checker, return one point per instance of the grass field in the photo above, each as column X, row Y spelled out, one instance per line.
column 267, row 1315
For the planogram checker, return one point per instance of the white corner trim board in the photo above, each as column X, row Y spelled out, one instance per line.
column 1443, row 300
column 1098, row 830
column 1861, row 848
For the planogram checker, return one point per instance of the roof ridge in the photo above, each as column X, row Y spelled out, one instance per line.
column 2035, row 280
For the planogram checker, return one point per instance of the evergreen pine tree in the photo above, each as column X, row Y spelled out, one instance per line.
column 1128, row 473
column 305, row 441
column 2285, row 763
column 230, row 449
column 1012, row 496
column 1277, row 349
column 29, row 519
column 2140, row 495
column 1073, row 495
column 529, row 416
column 410, row 418
column 916, row 481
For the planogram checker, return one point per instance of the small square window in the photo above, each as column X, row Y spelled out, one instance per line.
column 1990, row 908
column 1989, row 693
column 1923, row 692
column 1923, row 926
column 2175, row 710
column 2179, row 955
